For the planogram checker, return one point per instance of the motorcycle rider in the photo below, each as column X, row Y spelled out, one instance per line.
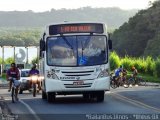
column 34, row 71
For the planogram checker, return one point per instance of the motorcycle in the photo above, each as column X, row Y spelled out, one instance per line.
column 35, row 80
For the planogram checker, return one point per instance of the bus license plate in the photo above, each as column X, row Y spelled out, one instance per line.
column 80, row 82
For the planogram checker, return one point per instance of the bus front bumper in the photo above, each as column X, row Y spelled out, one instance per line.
column 100, row 84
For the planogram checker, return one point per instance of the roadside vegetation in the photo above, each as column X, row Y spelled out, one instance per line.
column 147, row 67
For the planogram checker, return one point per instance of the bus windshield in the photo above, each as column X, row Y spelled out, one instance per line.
column 81, row 50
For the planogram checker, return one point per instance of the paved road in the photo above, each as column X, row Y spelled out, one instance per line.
column 136, row 100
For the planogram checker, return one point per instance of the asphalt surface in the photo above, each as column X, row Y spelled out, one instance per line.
column 123, row 101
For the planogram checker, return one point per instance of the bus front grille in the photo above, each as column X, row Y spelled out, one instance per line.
column 78, row 73
column 77, row 86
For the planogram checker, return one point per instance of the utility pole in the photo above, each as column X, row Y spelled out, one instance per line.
column 27, row 55
column 38, row 56
column 2, row 59
column 14, row 53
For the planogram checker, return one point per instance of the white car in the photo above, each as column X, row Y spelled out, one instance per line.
column 25, row 80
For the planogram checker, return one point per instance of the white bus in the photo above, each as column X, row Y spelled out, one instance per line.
column 74, row 59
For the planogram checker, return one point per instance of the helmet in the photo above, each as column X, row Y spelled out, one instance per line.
column 133, row 68
column 34, row 65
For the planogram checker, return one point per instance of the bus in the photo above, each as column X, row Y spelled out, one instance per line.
column 74, row 59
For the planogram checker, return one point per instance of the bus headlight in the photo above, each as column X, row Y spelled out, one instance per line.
column 54, row 76
column 104, row 73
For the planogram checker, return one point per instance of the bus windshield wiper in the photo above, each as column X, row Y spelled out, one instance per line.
column 85, row 44
column 66, row 41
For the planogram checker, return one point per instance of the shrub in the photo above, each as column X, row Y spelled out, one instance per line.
column 114, row 60
column 146, row 66
column 141, row 65
column 157, row 67
column 4, row 75
column 150, row 66
column 127, row 63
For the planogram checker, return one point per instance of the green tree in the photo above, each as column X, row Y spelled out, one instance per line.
column 0, row 60
column 9, row 60
column 35, row 60
column 140, row 35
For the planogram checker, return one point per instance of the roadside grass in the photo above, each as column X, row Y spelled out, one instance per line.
column 147, row 77
column 3, row 77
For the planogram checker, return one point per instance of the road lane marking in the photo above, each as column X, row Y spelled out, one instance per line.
column 30, row 110
column 135, row 102
column 121, row 89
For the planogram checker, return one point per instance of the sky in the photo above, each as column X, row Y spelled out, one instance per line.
column 47, row 5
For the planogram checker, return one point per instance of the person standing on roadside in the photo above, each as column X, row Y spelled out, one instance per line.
column 134, row 73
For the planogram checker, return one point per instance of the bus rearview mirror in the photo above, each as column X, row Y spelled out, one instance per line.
column 42, row 45
column 110, row 44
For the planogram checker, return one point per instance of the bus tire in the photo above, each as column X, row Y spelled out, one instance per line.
column 50, row 97
column 100, row 96
column 44, row 96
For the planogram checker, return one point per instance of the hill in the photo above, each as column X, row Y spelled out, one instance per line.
column 114, row 17
column 140, row 36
